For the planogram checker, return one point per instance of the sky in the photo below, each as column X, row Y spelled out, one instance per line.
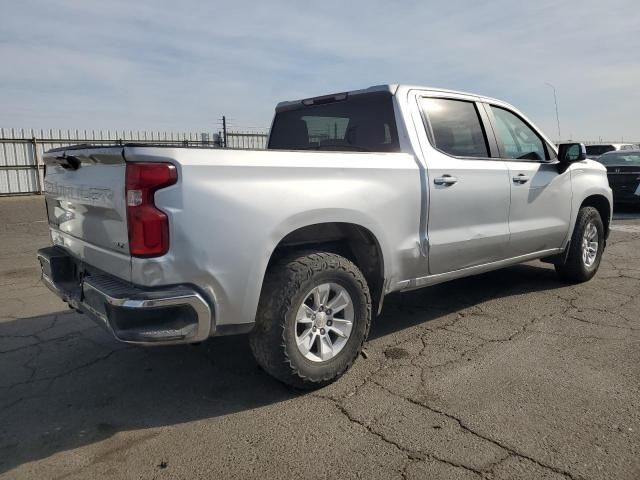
column 181, row 65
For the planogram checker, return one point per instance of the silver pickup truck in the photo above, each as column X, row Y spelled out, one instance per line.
column 359, row 194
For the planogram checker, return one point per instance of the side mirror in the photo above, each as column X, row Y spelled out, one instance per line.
column 571, row 152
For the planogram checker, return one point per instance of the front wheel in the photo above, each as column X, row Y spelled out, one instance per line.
column 313, row 318
column 585, row 250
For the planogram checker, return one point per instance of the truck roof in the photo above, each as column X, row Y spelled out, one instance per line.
column 392, row 88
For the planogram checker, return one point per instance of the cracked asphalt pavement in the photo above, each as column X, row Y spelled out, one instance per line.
column 510, row 374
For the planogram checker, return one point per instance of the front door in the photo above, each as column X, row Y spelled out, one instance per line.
column 468, row 202
column 540, row 193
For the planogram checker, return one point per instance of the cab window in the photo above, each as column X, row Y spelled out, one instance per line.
column 519, row 141
column 364, row 122
column 457, row 129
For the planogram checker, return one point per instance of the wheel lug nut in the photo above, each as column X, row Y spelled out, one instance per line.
column 329, row 323
column 322, row 331
column 314, row 328
column 328, row 311
column 313, row 317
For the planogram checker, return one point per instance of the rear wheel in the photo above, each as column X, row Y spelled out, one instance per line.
column 585, row 250
column 313, row 318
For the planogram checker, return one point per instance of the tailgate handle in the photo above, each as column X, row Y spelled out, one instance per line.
column 68, row 162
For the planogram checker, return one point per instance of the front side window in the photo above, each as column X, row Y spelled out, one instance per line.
column 456, row 127
column 518, row 139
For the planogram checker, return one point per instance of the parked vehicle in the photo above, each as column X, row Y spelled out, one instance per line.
column 595, row 150
column 623, row 171
column 360, row 194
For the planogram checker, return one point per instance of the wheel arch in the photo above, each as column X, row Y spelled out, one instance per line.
column 604, row 208
column 353, row 241
column 596, row 200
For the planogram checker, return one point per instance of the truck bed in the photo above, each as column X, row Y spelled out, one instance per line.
column 228, row 211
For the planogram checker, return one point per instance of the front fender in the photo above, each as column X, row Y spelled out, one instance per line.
column 588, row 179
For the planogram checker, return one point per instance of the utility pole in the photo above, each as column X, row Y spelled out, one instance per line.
column 555, row 99
column 224, row 131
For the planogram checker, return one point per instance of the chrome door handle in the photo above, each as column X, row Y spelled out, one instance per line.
column 445, row 180
column 521, row 178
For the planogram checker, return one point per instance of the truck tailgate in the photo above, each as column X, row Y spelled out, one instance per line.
column 86, row 206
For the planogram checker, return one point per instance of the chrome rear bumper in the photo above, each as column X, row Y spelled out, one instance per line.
column 165, row 316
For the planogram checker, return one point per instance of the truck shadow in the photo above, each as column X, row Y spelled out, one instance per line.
column 64, row 383
column 408, row 309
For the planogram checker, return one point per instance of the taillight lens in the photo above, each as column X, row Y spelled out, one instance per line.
column 148, row 225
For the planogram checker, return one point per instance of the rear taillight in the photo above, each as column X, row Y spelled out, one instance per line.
column 148, row 225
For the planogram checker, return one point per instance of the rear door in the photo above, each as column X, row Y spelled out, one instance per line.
column 540, row 192
column 468, row 200
column 86, row 208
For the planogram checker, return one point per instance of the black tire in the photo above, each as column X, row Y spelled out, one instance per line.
column 574, row 269
column 285, row 287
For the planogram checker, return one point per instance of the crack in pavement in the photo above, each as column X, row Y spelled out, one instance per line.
column 421, row 455
column 449, row 326
column 466, row 428
column 408, row 453
column 53, row 378
column 62, row 338
column 472, row 350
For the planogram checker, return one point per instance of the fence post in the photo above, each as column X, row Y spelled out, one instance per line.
column 36, row 156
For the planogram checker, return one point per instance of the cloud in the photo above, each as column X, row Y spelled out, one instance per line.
column 180, row 65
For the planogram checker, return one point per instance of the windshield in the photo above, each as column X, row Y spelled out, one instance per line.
column 597, row 150
column 360, row 123
column 621, row 158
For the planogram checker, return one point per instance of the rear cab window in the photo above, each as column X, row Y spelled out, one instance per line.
column 362, row 122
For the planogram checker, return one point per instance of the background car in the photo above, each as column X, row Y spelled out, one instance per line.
column 623, row 171
column 595, row 150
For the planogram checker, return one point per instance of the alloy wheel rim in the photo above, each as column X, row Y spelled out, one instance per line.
column 590, row 244
column 324, row 321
